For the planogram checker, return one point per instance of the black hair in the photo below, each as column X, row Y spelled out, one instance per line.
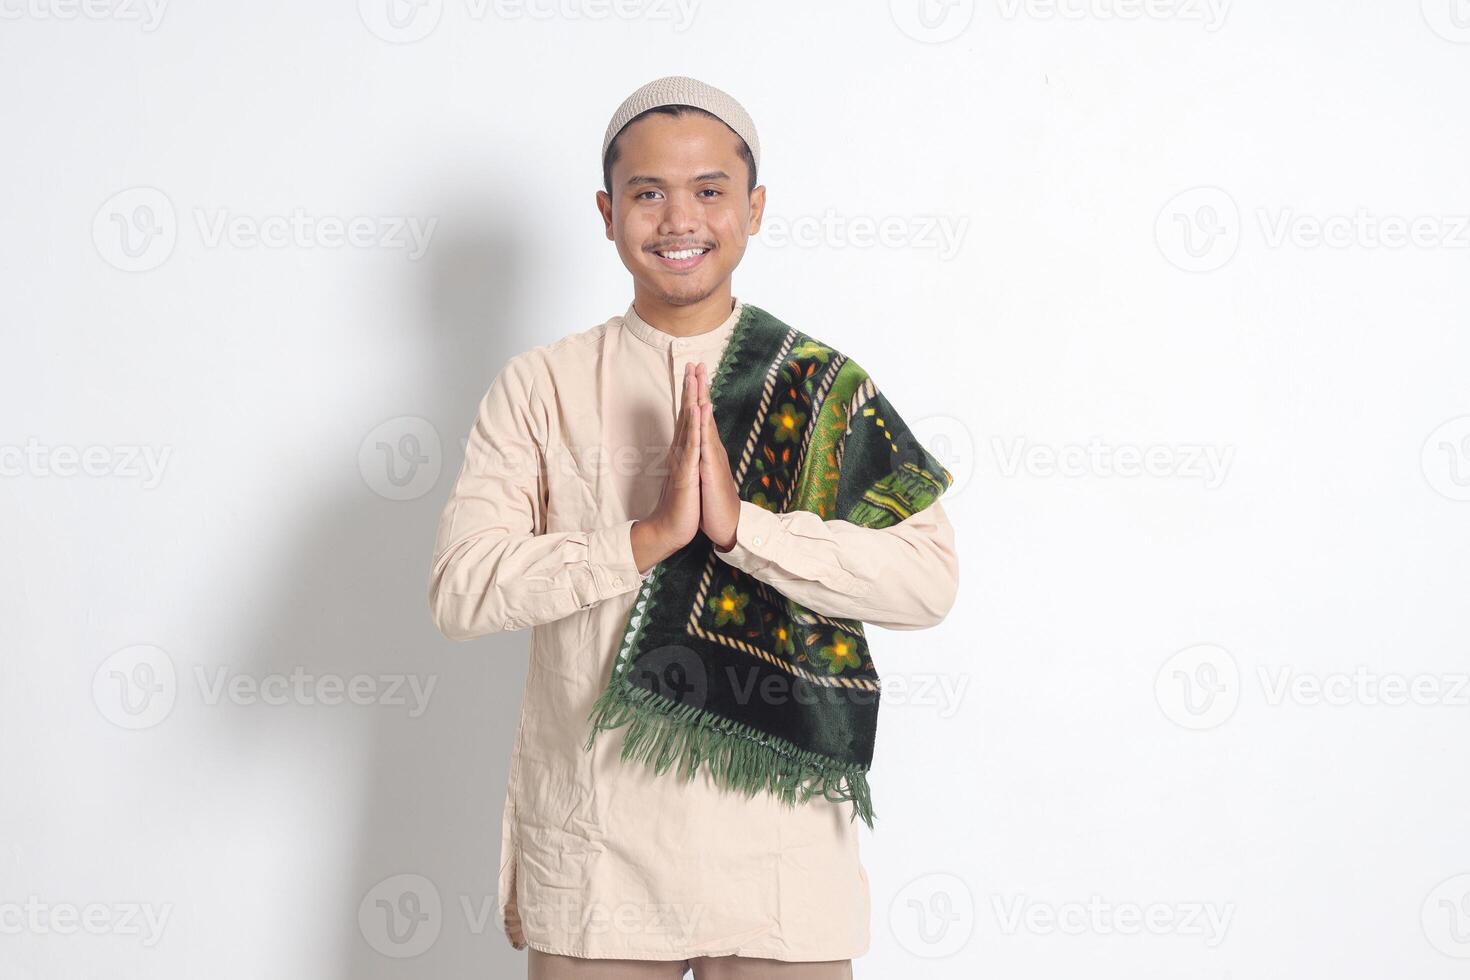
column 611, row 156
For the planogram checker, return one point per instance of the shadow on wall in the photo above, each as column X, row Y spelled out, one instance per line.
column 416, row 801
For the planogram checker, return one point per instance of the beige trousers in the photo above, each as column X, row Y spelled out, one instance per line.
column 550, row 966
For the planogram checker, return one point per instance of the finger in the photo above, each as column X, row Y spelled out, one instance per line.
column 709, row 448
column 701, row 384
column 685, row 415
column 707, row 436
column 678, row 446
column 707, row 419
column 691, row 410
column 681, row 422
column 707, row 398
column 691, row 399
column 719, row 459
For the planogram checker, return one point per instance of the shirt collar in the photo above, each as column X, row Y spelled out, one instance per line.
column 655, row 337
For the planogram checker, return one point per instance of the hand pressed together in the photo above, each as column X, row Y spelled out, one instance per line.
column 699, row 492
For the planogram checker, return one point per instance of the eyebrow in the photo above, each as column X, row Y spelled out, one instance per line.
column 699, row 178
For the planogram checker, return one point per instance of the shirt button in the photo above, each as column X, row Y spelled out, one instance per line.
column 755, row 540
column 617, row 580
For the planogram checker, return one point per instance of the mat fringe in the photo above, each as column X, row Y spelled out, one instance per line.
column 662, row 734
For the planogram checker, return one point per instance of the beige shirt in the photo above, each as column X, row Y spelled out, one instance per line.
column 602, row 858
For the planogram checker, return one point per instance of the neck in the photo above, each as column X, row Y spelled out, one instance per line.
column 684, row 321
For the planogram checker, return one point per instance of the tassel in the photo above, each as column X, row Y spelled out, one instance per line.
column 661, row 734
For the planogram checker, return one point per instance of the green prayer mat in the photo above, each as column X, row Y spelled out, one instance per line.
column 714, row 665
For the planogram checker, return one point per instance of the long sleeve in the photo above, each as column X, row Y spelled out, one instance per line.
column 904, row 576
column 494, row 566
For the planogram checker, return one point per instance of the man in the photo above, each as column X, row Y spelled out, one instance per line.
column 593, row 461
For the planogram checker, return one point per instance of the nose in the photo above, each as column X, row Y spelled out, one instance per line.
column 677, row 219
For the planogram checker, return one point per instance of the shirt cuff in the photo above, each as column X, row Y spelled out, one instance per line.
column 758, row 534
column 610, row 555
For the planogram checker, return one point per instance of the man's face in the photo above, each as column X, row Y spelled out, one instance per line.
column 679, row 186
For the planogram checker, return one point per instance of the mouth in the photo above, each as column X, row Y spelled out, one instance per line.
column 680, row 259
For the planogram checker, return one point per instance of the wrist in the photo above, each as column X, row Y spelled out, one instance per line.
column 728, row 542
column 650, row 540
column 723, row 547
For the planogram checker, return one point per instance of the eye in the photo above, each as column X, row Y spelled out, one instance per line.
column 639, row 196
column 712, row 190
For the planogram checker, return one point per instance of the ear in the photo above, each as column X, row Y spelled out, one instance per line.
column 604, row 207
column 757, row 209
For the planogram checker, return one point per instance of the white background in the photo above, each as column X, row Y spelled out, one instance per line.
column 1134, row 268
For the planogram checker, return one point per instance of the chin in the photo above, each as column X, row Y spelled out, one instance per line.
column 689, row 298
column 682, row 292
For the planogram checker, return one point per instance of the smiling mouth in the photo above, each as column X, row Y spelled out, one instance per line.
column 682, row 258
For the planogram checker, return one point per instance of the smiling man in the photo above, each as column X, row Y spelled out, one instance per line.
column 695, row 508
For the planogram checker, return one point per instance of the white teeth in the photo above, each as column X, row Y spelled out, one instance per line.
column 687, row 253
